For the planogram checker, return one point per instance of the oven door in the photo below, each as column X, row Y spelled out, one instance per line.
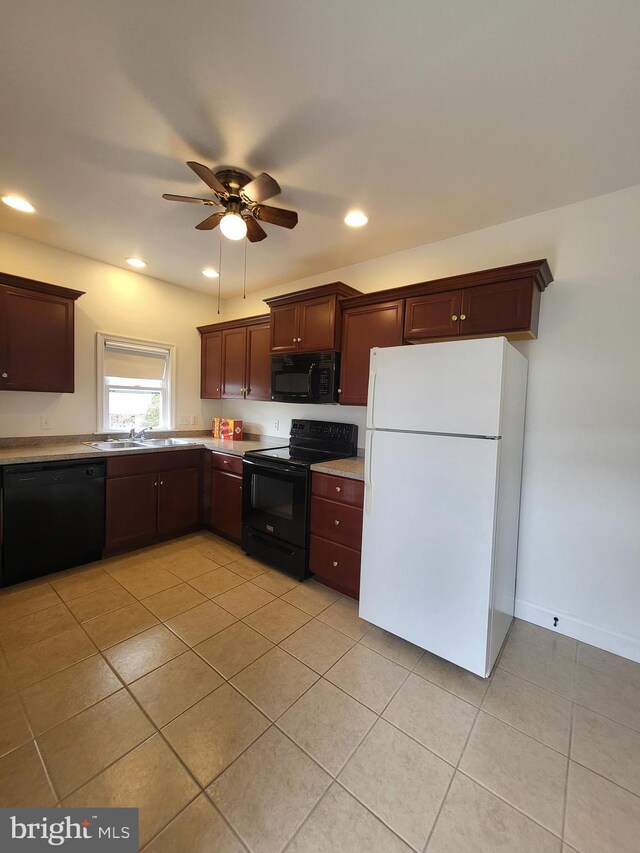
column 275, row 499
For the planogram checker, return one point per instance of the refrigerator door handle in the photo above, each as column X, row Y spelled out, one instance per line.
column 372, row 396
column 368, row 485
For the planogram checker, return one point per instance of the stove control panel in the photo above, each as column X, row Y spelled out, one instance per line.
column 327, row 432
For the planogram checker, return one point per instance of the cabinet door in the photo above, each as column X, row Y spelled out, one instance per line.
column 317, row 325
column 233, row 362
column 37, row 341
column 211, row 366
column 496, row 307
column 284, row 329
column 258, row 363
column 436, row 315
column 226, row 503
column 378, row 325
column 132, row 511
column 178, row 501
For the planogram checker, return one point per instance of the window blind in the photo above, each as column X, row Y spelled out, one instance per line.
column 124, row 360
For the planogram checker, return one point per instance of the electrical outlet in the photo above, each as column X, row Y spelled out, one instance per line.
column 276, row 425
column 194, row 420
column 184, row 420
column 45, row 423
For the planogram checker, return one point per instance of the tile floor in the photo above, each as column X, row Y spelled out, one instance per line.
column 241, row 710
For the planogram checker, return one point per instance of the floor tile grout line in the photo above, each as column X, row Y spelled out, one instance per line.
column 453, row 776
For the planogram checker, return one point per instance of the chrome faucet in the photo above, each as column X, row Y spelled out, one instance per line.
column 139, row 435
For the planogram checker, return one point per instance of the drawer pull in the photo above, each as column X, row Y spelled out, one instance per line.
column 336, row 521
column 335, row 563
column 338, row 489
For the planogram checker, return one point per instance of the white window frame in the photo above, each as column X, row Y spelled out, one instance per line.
column 102, row 388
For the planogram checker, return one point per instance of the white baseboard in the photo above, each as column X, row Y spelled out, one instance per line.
column 587, row 632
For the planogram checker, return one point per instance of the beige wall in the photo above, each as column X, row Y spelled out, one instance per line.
column 579, row 535
column 116, row 301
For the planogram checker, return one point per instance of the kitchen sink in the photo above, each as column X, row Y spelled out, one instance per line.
column 139, row 445
column 164, row 442
column 115, row 445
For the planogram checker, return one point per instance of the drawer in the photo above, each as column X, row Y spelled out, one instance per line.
column 227, row 462
column 336, row 565
column 151, row 463
column 337, row 522
column 341, row 489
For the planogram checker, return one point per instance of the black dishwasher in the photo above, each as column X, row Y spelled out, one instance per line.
column 52, row 517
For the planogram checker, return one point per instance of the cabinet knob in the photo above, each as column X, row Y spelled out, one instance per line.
column 248, row 390
column 338, row 489
column 463, row 316
column 299, row 340
column 455, row 317
column 5, row 375
column 156, row 483
column 335, row 563
column 336, row 521
column 339, row 390
column 294, row 340
column 162, row 482
column 225, row 461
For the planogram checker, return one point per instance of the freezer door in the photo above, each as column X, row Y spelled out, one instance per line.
column 453, row 387
column 427, row 545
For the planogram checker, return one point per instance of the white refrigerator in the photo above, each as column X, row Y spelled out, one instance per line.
column 443, row 462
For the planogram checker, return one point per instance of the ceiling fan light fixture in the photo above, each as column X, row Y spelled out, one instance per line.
column 209, row 272
column 18, row 203
column 233, row 226
column 356, row 219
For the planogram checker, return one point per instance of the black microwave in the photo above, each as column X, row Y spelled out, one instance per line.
column 309, row 377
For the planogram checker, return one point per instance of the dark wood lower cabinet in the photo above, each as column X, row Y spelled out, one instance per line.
column 144, row 505
column 132, row 511
column 178, row 501
column 336, row 532
column 226, row 504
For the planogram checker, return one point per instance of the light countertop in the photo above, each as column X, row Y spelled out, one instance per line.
column 77, row 450
column 352, row 468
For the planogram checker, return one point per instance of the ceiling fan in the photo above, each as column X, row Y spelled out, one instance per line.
column 241, row 196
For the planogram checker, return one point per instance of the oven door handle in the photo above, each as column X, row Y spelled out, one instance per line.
column 276, row 467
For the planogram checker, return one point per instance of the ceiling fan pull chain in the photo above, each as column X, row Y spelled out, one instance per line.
column 219, row 268
column 244, row 283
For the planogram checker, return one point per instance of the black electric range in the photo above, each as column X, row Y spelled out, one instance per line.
column 276, row 492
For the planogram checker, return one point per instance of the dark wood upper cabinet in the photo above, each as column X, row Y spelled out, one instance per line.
column 364, row 327
column 211, row 366
column 284, row 329
column 308, row 321
column 234, row 345
column 507, row 307
column 36, row 335
column 258, row 385
column 435, row 315
column 243, row 369
column 502, row 301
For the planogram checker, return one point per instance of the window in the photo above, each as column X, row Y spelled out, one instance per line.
column 134, row 384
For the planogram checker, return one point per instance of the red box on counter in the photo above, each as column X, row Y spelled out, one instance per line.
column 228, row 429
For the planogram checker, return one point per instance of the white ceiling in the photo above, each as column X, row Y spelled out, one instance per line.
column 437, row 117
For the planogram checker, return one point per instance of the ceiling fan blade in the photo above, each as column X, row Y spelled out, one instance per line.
column 261, row 188
column 255, row 231
column 206, row 175
column 276, row 215
column 170, row 197
column 210, row 222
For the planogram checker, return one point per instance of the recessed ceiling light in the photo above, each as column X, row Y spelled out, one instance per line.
column 356, row 219
column 209, row 272
column 136, row 262
column 18, row 203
